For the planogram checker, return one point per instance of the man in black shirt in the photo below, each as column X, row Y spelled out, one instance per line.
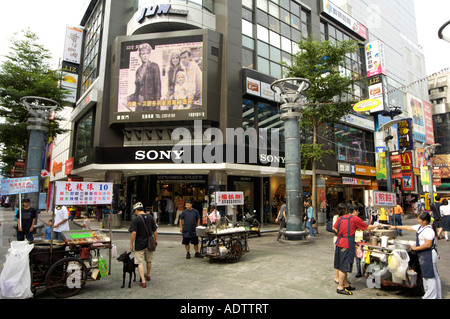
column 139, row 241
column 189, row 220
column 26, row 221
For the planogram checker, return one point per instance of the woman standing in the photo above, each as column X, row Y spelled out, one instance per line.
column 427, row 253
column 309, row 218
column 445, row 212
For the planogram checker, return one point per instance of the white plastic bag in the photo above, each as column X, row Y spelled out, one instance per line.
column 15, row 279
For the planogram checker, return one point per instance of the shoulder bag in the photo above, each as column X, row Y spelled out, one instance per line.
column 151, row 238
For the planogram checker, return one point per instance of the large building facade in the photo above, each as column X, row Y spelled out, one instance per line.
column 198, row 115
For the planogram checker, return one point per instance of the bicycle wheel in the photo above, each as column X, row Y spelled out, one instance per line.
column 235, row 248
column 66, row 277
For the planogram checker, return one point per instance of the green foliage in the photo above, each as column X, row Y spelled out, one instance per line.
column 25, row 72
column 328, row 96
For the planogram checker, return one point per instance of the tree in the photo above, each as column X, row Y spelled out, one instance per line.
column 328, row 97
column 25, row 72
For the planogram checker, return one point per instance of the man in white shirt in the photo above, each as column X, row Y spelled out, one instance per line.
column 61, row 222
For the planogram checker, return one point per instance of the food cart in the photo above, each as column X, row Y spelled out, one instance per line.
column 385, row 260
column 64, row 267
column 223, row 238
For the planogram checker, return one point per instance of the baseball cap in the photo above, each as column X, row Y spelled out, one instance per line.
column 138, row 206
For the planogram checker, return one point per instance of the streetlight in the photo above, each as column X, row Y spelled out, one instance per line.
column 441, row 32
column 430, row 169
column 292, row 101
column 40, row 109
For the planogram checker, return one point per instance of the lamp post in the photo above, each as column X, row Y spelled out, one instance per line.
column 292, row 102
column 40, row 109
column 430, row 169
column 441, row 34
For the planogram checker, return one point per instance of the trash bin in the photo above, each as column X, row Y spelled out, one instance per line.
column 321, row 216
column 113, row 219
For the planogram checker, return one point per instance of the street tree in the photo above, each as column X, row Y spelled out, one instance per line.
column 25, row 72
column 329, row 98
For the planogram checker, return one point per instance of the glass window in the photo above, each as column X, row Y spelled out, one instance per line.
column 83, row 134
column 248, row 42
column 262, row 18
column 263, row 49
column 284, row 15
column 247, row 59
column 274, row 10
column 296, row 35
column 247, row 14
column 263, row 65
column 274, row 24
column 275, row 54
column 295, row 8
column 262, row 33
column 285, row 30
column 274, row 39
column 92, row 32
column 353, row 145
column 248, row 3
column 286, row 44
column 262, row 4
column 275, row 70
column 247, row 28
column 295, row 21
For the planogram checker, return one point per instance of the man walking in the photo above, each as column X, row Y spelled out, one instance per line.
column 139, row 241
column 189, row 220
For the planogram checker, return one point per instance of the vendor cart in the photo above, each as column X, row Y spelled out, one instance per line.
column 64, row 267
column 394, row 265
column 227, row 243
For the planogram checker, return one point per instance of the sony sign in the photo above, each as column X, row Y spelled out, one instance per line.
column 154, row 155
column 161, row 9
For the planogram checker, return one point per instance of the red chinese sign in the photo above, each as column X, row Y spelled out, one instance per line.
column 385, row 199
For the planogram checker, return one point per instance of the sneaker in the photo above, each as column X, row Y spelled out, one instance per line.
column 197, row 254
column 188, row 256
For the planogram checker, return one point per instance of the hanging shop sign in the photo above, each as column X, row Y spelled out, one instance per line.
column 396, row 166
column 83, row 193
column 405, row 134
column 436, row 177
column 366, row 105
column 408, row 181
column 375, row 58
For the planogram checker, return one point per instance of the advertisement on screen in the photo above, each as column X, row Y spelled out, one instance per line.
column 160, row 78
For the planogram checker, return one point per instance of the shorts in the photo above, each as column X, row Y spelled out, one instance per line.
column 190, row 240
column 343, row 259
column 143, row 256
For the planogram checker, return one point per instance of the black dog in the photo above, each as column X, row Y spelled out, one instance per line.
column 128, row 267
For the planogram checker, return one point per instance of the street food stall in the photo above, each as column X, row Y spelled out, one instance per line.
column 222, row 237
column 386, row 260
column 64, row 267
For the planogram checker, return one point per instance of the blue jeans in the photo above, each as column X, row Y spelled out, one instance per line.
column 309, row 225
column 397, row 221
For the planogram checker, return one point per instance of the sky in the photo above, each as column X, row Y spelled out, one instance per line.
column 48, row 19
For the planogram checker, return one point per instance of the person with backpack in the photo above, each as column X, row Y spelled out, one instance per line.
column 344, row 254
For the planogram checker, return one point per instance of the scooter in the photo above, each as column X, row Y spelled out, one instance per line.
column 251, row 222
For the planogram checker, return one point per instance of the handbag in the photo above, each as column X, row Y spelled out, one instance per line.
column 329, row 227
column 151, row 240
